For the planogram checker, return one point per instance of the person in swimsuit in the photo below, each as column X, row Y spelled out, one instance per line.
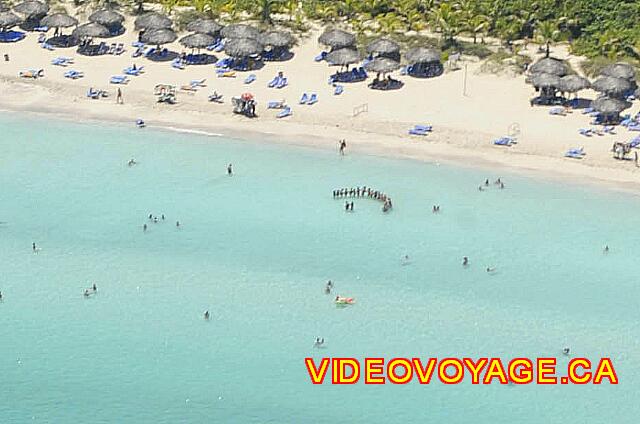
column 206, row 315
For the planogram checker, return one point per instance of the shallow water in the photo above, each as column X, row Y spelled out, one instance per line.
column 256, row 249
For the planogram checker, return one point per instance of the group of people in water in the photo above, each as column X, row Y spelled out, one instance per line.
column 363, row 192
column 497, row 182
column 155, row 220
column 90, row 291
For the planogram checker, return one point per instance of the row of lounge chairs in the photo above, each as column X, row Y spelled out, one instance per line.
column 308, row 99
column 421, row 130
column 588, row 132
column 355, row 75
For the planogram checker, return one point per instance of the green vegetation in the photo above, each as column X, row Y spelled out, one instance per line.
column 592, row 27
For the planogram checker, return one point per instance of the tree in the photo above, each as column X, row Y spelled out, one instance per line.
column 547, row 32
column 445, row 20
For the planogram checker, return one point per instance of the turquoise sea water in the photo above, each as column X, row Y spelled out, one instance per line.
column 256, row 249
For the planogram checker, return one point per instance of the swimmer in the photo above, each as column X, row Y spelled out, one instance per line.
column 150, row 217
column 155, row 219
column 501, row 185
column 163, row 217
column 0, row 295
column 319, row 342
column 498, row 181
column 33, row 245
column 144, row 227
column 177, row 223
column 606, row 249
column 491, row 269
column 406, row 260
column 465, row 261
column 486, row 182
column 327, row 288
column 566, row 351
column 229, row 170
column 86, row 293
column 479, row 188
column 351, row 206
column 346, row 206
column 95, row 289
column 206, row 315
column 132, row 162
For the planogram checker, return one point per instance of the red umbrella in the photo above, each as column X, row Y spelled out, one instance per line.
column 247, row 96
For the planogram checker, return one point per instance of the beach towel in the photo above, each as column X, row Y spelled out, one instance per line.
column 284, row 113
column 227, row 74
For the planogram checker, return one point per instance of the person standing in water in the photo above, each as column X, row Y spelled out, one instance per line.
column 465, row 261
column 343, row 146
column 144, row 228
column 206, row 315
column 33, row 245
column 177, row 224
column 230, row 170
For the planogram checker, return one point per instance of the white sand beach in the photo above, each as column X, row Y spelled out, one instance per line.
column 464, row 123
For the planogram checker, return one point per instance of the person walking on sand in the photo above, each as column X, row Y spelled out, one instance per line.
column 343, row 146
column 119, row 98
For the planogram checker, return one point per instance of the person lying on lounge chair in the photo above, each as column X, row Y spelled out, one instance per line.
column 32, row 73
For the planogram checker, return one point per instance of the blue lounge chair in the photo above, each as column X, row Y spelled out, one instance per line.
column 137, row 44
column 224, row 63
column 41, row 29
column 415, row 131
column 11, row 36
column 118, row 79
column 556, row 111
column 47, row 46
column 251, row 78
column 73, row 74
column 588, row 110
column 276, row 104
column 504, row 141
column 284, row 113
column 423, row 127
column 609, row 129
column 635, row 143
column 138, row 52
column 219, row 47
column 577, row 153
column 313, row 99
column 94, row 94
column 282, row 83
column 177, row 63
column 338, row 90
column 119, row 49
column 133, row 72
column 634, row 127
column 61, row 61
column 322, row 56
column 198, row 83
column 586, row 132
column 273, row 82
column 304, row 99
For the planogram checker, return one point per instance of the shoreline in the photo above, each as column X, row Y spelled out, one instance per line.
column 539, row 167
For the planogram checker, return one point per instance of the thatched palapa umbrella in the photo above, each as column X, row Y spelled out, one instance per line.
column 236, row 31
column 344, row 56
column 620, row 70
column 204, row 26
column 612, row 86
column 337, row 39
column 422, row 55
column 277, row 39
column 31, row 8
column 152, row 20
column 573, row 83
column 549, row 65
column 545, row 81
column 243, row 47
column 91, row 29
column 9, row 20
column 197, row 41
column 106, row 17
column 159, row 36
column 59, row 20
column 383, row 46
column 609, row 106
column 382, row 64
